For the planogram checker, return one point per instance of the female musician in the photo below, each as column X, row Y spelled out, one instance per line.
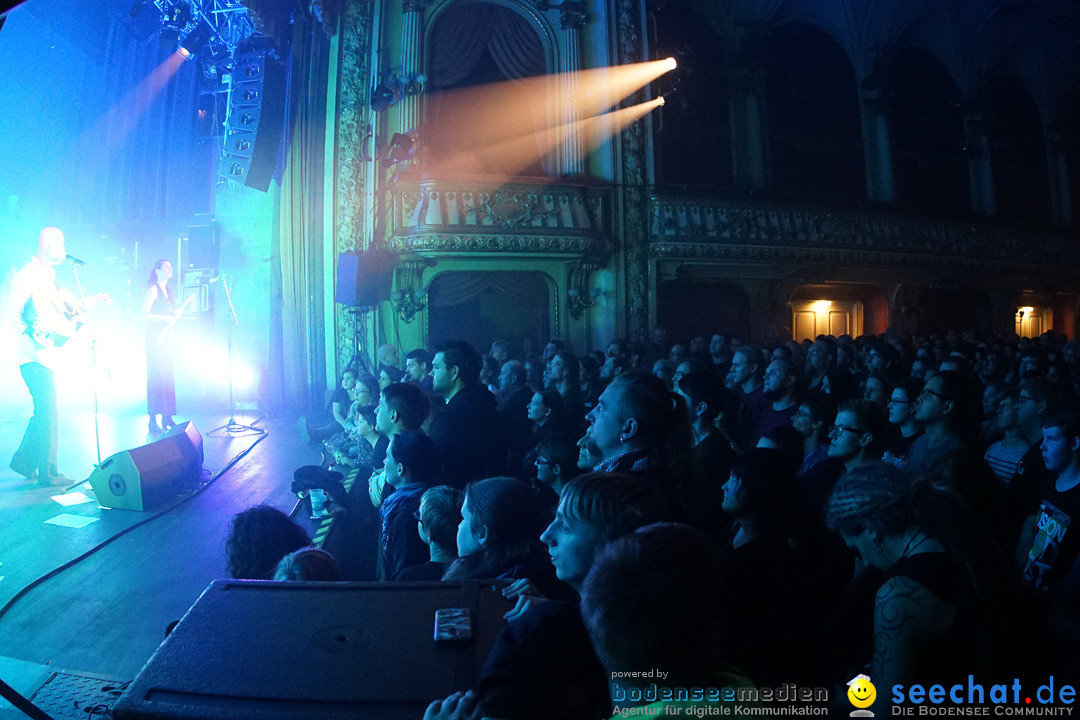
column 159, row 306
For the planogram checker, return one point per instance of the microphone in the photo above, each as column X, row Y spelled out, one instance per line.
column 75, row 261
column 215, row 279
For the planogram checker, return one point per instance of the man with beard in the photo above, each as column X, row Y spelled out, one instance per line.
column 819, row 361
column 781, row 390
column 468, row 433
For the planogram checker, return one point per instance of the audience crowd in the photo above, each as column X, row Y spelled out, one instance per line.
column 731, row 514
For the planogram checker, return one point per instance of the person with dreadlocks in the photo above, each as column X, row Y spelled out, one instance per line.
column 949, row 605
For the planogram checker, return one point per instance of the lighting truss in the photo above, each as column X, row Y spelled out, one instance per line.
column 228, row 19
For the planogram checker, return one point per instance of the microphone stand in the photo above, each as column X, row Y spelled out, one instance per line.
column 93, row 368
column 232, row 427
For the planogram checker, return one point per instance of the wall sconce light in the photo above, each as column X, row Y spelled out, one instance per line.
column 579, row 296
column 411, row 296
column 391, row 88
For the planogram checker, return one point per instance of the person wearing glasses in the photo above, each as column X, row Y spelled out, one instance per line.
column 901, row 413
column 942, row 408
column 1004, row 455
column 857, row 436
column 556, row 462
column 1038, row 399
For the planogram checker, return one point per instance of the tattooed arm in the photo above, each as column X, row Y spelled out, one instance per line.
column 906, row 617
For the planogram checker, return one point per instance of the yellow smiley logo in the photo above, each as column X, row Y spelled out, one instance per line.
column 861, row 692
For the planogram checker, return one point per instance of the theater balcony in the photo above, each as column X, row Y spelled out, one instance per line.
column 832, row 270
column 485, row 246
column 442, row 216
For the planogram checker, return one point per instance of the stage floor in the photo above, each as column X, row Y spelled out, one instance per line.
column 107, row 612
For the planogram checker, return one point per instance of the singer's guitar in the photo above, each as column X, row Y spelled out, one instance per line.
column 52, row 317
column 172, row 322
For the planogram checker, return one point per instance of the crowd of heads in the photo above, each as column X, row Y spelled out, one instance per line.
column 645, row 478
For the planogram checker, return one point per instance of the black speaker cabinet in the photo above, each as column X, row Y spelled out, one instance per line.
column 256, row 650
column 143, row 477
column 364, row 279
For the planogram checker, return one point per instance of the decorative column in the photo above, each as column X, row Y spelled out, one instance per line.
column 748, row 154
column 632, row 201
column 877, row 147
column 1060, row 189
column 411, row 42
column 349, row 167
column 571, row 18
column 981, row 172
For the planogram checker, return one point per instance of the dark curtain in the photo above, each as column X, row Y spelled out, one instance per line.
column 297, row 342
column 454, row 288
column 463, row 33
column 515, row 46
column 139, row 153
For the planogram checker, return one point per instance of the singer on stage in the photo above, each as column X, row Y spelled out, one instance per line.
column 161, row 312
column 47, row 317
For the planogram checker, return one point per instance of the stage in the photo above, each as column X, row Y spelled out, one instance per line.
column 106, row 613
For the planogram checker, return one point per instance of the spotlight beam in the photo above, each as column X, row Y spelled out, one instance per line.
column 462, row 126
column 516, row 154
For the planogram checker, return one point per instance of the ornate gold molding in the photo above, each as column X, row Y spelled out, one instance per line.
column 352, row 132
column 502, row 243
column 492, row 215
column 633, row 156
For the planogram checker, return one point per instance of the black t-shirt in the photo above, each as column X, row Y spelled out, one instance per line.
column 1057, row 540
column 898, row 449
column 1028, row 486
column 712, row 465
column 341, row 397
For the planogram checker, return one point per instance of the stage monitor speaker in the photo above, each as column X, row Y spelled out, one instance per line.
column 364, row 279
column 140, row 478
column 253, row 650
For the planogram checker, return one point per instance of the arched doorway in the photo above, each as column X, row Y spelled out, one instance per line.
column 480, row 307
column 927, row 129
column 815, row 133
column 475, row 117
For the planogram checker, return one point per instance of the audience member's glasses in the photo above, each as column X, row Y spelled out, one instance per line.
column 542, row 461
column 927, row 392
column 895, row 401
column 837, row 429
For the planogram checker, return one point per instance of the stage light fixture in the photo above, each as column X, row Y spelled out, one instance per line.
column 382, row 97
column 671, row 63
column 196, row 40
column 176, row 16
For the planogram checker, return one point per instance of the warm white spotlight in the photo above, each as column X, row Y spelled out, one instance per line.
column 660, row 100
column 671, row 64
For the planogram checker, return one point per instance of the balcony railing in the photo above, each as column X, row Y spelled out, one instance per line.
column 498, row 215
column 710, row 227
